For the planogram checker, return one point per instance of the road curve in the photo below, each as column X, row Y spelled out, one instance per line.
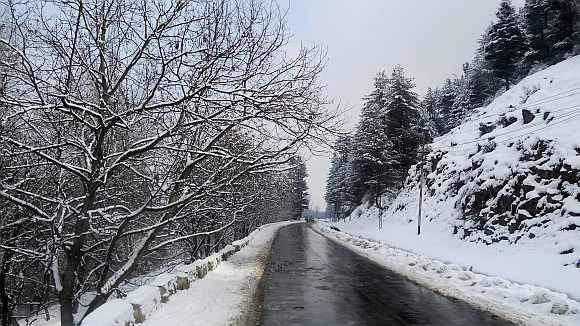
column 313, row 281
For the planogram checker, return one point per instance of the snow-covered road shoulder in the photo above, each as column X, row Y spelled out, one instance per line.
column 221, row 294
column 520, row 303
column 225, row 295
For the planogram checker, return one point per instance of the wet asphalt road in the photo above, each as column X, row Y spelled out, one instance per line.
column 314, row 281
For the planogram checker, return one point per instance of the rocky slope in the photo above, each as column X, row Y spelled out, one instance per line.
column 512, row 171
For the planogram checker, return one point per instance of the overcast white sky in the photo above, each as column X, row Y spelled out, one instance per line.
column 430, row 38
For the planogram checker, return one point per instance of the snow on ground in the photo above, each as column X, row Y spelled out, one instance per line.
column 457, row 272
column 526, row 262
column 224, row 296
column 220, row 298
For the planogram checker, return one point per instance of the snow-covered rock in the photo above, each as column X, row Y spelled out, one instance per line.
column 183, row 282
column 510, row 172
column 166, row 284
column 145, row 300
column 113, row 313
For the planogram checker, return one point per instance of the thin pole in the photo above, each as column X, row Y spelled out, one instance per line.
column 377, row 201
column 420, row 192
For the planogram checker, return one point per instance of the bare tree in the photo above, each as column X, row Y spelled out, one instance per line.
column 130, row 118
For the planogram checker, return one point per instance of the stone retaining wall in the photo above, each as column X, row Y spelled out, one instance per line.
column 143, row 301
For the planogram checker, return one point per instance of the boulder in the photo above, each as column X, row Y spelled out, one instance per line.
column 486, row 128
column 167, row 285
column 540, row 298
column 201, row 270
column 211, row 263
column 559, row 308
column 144, row 300
column 183, row 282
column 528, row 116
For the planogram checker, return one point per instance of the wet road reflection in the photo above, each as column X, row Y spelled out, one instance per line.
column 313, row 281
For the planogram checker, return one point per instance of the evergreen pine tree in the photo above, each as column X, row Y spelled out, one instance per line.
column 470, row 93
column 562, row 27
column 332, row 196
column 403, row 128
column 387, row 139
column 506, row 43
column 299, row 191
column 337, row 187
column 462, row 103
column 483, row 83
column 428, row 109
column 551, row 30
column 445, row 100
column 369, row 141
column 535, row 21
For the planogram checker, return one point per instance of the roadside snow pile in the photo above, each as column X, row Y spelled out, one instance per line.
column 226, row 295
column 143, row 301
column 194, row 296
column 115, row 312
column 520, row 303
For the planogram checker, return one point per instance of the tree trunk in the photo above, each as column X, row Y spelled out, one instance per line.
column 378, row 196
column 5, row 311
column 66, row 307
column 5, row 314
column 73, row 257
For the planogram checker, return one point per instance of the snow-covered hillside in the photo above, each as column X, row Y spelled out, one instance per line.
column 502, row 191
column 511, row 172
